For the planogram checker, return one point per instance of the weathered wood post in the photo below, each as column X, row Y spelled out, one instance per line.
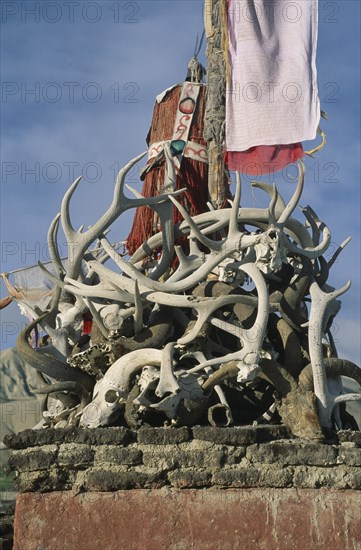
column 215, row 114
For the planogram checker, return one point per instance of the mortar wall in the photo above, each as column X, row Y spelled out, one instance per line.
column 203, row 488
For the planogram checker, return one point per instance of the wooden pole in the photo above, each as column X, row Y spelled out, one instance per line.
column 215, row 113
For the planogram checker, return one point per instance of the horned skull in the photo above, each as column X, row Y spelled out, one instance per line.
column 270, row 250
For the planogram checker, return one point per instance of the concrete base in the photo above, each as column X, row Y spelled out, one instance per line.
column 202, row 519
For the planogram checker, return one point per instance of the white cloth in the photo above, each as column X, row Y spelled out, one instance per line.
column 35, row 286
column 272, row 98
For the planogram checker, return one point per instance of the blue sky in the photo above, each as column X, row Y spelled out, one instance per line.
column 95, row 69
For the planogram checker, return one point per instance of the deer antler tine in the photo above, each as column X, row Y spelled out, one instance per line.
column 134, row 191
column 314, row 222
column 97, row 318
column 182, row 258
column 65, row 208
column 233, row 220
column 338, row 252
column 272, row 205
column 164, row 212
column 187, row 264
column 347, row 397
column 296, row 196
column 119, row 182
column 52, row 244
column 318, row 250
column 280, row 205
column 210, row 243
column 138, row 315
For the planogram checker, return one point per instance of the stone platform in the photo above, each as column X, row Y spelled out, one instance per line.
column 180, row 488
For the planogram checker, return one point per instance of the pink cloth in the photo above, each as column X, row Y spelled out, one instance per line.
column 263, row 159
column 272, row 97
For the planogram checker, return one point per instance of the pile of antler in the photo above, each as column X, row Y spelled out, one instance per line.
column 239, row 331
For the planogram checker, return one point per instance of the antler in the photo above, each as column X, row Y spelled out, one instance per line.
column 78, row 241
column 318, row 317
column 252, row 339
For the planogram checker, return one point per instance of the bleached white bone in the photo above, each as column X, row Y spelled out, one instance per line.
column 320, row 302
column 117, row 380
column 167, row 381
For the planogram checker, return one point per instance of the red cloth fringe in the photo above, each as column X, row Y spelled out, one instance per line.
column 263, row 159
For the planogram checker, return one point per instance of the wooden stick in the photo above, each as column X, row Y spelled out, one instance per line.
column 215, row 114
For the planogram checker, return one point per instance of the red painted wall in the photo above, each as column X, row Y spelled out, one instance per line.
column 202, row 519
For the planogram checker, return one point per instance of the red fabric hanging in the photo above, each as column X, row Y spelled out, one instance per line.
column 193, row 174
column 263, row 159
